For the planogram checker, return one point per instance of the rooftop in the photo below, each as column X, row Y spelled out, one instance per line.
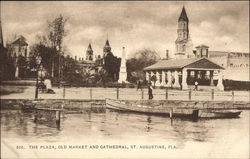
column 181, row 63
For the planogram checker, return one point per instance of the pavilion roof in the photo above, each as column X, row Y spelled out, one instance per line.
column 181, row 63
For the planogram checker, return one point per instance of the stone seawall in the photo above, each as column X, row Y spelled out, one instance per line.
column 77, row 105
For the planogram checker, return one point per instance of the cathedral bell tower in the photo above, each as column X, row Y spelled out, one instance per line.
column 89, row 53
column 183, row 43
column 106, row 49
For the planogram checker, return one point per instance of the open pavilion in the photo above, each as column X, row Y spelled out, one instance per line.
column 181, row 73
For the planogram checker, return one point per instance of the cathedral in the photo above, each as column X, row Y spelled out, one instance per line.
column 183, row 43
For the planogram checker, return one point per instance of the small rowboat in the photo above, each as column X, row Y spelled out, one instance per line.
column 154, row 110
column 170, row 111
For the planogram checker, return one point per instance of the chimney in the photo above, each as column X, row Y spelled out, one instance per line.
column 75, row 58
column 167, row 54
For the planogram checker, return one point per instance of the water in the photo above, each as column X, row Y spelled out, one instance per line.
column 225, row 138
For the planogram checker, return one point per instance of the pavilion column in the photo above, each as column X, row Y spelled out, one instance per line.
column 17, row 72
column 176, row 79
column 151, row 75
column 157, row 83
column 147, row 76
column 169, row 76
column 220, row 79
column 184, row 79
column 211, row 78
column 163, row 79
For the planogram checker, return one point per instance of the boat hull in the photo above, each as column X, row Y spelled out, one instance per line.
column 219, row 114
column 156, row 110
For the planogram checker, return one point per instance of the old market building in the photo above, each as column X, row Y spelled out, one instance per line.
column 188, row 66
column 181, row 73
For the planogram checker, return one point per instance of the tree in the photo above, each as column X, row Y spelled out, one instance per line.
column 112, row 66
column 56, row 34
column 141, row 59
column 49, row 47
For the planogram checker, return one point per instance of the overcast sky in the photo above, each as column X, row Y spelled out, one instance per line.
column 223, row 26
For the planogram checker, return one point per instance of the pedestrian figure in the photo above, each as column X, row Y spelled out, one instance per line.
column 139, row 85
column 47, row 82
column 150, row 91
column 196, row 85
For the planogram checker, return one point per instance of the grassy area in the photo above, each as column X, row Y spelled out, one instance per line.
column 5, row 90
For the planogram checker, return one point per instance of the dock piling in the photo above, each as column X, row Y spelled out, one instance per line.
column 166, row 94
column 117, row 93
column 232, row 95
column 64, row 92
column 90, row 93
column 189, row 94
column 212, row 94
column 142, row 94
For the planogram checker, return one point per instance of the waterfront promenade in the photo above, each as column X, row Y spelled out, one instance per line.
column 131, row 94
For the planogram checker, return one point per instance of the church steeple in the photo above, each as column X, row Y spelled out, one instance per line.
column 183, row 43
column 89, row 53
column 106, row 49
column 183, row 16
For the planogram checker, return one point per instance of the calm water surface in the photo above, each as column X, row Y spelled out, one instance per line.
column 212, row 138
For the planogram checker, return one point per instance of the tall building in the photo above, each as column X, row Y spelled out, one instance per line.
column 183, row 43
column 19, row 48
column 106, row 49
column 89, row 53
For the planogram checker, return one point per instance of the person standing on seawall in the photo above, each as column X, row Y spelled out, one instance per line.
column 196, row 85
column 150, row 91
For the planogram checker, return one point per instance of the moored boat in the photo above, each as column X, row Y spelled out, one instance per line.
column 172, row 112
column 154, row 110
column 216, row 114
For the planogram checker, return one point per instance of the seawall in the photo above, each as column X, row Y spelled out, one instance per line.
column 78, row 105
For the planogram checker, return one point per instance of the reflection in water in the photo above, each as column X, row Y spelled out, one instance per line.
column 148, row 125
column 118, row 126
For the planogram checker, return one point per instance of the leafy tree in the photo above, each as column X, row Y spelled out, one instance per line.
column 112, row 66
column 141, row 59
column 7, row 68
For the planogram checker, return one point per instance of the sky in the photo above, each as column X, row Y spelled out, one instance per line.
column 223, row 26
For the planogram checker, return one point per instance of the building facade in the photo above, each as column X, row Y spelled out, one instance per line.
column 19, row 48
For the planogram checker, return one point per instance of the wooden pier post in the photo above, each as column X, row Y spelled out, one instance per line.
column 212, row 94
column 189, row 94
column 142, row 94
column 58, row 118
column 117, row 93
column 90, row 93
column 64, row 92
column 166, row 94
column 232, row 95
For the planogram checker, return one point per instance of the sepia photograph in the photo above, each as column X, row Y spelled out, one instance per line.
column 124, row 79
